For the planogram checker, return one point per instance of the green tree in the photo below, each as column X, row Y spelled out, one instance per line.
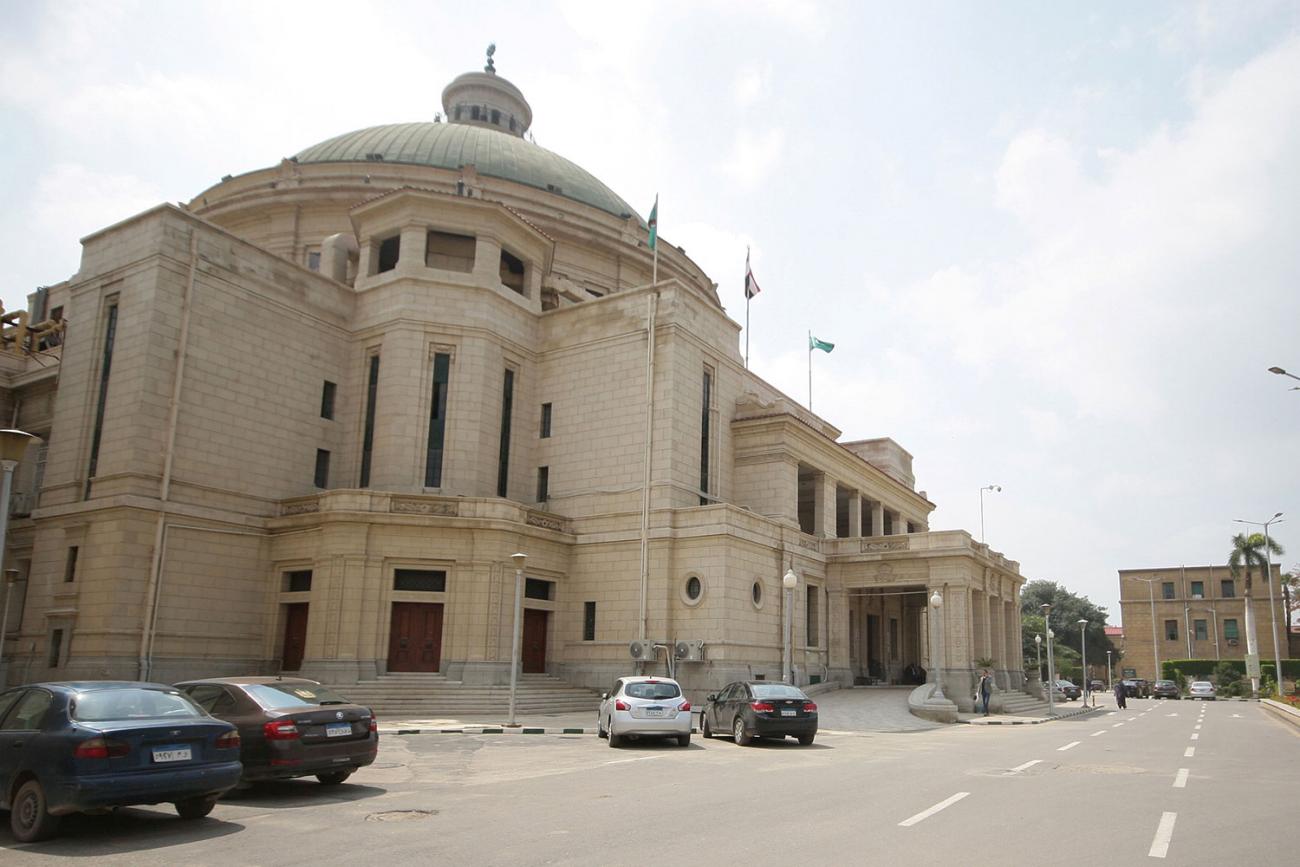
column 1067, row 610
column 1247, row 555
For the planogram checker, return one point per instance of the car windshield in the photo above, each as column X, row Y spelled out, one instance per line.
column 1064, row 683
column 1202, row 684
column 1164, row 683
column 274, row 696
column 104, row 705
column 652, row 689
column 776, row 690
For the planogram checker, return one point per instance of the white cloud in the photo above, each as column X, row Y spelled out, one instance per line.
column 754, row 155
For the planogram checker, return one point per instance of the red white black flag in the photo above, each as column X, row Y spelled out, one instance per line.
column 751, row 285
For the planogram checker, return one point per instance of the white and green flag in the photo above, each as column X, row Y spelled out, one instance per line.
column 814, row 343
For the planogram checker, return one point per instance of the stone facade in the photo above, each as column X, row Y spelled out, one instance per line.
column 305, row 421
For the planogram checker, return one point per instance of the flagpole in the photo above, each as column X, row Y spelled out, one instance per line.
column 810, row 370
column 747, row 331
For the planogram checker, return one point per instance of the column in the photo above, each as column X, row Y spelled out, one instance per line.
column 878, row 519
column 986, row 611
column 411, row 252
column 855, row 514
column 838, row 641
column 824, row 506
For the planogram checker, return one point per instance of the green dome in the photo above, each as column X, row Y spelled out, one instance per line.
column 452, row 145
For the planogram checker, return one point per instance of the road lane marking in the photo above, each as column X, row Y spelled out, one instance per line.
column 1164, row 833
column 1171, row 714
column 1094, row 734
column 1189, row 752
column 1117, row 725
column 637, row 759
column 1180, row 781
column 925, row 814
column 1195, row 736
column 1070, row 745
column 1112, row 713
column 1236, row 716
column 1198, row 727
column 1018, row 768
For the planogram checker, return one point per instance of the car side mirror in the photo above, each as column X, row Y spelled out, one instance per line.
column 713, row 697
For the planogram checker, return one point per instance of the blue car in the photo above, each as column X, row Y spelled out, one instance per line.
column 68, row 747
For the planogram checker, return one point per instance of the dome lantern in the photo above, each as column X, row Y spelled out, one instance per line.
column 486, row 99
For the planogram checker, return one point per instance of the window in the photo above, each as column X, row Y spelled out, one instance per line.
column 705, row 402
column 1201, row 632
column 911, row 528
column 313, row 260
column 810, row 614
column 693, row 588
column 543, row 483
column 368, row 439
column 888, row 521
column 756, row 594
column 1167, row 590
column 893, row 639
column 389, row 250
column 546, row 421
column 449, row 252
column 322, row 479
column 297, row 581
column 1198, row 589
column 503, row 458
column 327, row 391
column 70, row 568
column 212, row 698
column 1171, row 630
column 496, row 117
column 56, row 648
column 1227, row 589
column 437, row 421
column 422, row 580
column 589, row 621
column 1230, row 630
column 106, row 364
column 512, row 271
column 29, row 713
column 473, row 112
column 536, row 588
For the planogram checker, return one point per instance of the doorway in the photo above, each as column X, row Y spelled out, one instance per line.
column 295, row 636
column 415, row 637
column 533, row 655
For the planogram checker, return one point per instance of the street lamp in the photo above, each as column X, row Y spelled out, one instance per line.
column 1051, row 669
column 1155, row 641
column 518, row 637
column 1038, row 646
column 1282, row 372
column 1268, row 579
column 995, row 489
column 11, row 578
column 1083, row 650
column 13, row 443
column 789, row 581
column 1110, row 673
column 936, row 602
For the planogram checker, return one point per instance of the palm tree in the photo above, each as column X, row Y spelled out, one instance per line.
column 1248, row 552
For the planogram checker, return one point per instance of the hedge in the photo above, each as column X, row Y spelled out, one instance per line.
column 1203, row 668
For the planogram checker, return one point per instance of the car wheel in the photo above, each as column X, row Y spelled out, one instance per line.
column 704, row 729
column 738, row 732
column 29, row 817
column 806, row 740
column 684, row 740
column 333, row 778
column 600, row 728
column 195, row 808
column 614, row 740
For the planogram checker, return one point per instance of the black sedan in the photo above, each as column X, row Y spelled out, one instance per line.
column 290, row 726
column 763, row 709
column 88, row 745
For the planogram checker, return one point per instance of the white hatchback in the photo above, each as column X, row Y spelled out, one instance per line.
column 644, row 707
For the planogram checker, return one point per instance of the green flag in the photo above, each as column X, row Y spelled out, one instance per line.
column 654, row 223
column 814, row 343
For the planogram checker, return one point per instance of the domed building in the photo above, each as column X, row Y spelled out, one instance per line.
column 309, row 421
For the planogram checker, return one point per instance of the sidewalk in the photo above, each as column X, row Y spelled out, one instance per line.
column 528, row 724
column 1067, row 710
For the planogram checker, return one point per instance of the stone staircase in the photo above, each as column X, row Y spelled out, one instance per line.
column 432, row 696
column 1016, row 703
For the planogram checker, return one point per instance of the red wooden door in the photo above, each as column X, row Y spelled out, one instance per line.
column 295, row 636
column 533, row 655
column 415, row 637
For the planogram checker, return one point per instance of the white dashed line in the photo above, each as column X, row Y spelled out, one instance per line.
column 1095, row 734
column 1180, row 781
column 1112, row 713
column 638, row 759
column 1070, row 745
column 1117, row 725
column 1018, row 768
column 925, row 814
column 1189, row 752
column 1164, row 833
column 1195, row 736
column 1198, row 727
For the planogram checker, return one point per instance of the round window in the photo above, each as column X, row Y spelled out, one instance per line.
column 756, row 592
column 693, row 588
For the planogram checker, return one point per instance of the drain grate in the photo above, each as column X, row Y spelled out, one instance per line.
column 400, row 815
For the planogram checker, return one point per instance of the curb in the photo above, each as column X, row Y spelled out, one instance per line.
column 490, row 730
column 1031, row 722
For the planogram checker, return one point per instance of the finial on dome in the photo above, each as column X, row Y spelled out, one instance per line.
column 491, row 50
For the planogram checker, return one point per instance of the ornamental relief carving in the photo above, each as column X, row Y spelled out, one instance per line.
column 423, row 507
column 300, row 508
column 892, row 545
column 546, row 522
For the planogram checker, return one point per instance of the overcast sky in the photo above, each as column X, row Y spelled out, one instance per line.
column 1055, row 245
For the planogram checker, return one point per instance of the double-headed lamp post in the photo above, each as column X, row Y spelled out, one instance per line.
column 1272, row 610
column 1051, row 669
column 789, row 581
column 519, row 560
column 995, row 489
column 13, row 443
column 1083, row 651
column 936, row 602
column 1280, row 372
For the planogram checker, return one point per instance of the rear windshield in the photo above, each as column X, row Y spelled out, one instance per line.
column 776, row 690
column 1164, row 683
column 655, row 691
column 273, row 696
column 106, row 705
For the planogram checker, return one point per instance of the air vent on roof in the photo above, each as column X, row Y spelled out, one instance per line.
column 375, row 157
column 225, row 178
column 553, row 188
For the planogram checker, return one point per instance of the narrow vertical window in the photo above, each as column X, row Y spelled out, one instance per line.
column 546, row 421
column 110, row 335
column 56, row 649
column 389, row 251
column 589, row 621
column 437, row 421
column 705, row 403
column 327, row 399
column 368, row 440
column 543, row 484
column 322, row 468
column 503, row 460
column 70, row 568
column 811, row 614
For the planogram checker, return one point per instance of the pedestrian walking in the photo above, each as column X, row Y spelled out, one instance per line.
column 1121, row 696
column 984, row 689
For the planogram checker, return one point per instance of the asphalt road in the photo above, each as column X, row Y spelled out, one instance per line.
column 1187, row 782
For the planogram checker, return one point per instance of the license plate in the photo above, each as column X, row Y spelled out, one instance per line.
column 788, row 711
column 172, row 754
column 655, row 711
column 338, row 730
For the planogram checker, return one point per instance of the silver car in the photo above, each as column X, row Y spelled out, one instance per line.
column 644, row 707
column 1201, row 689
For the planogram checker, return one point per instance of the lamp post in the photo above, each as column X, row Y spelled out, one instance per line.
column 1272, row 610
column 995, row 489
column 11, row 578
column 1155, row 641
column 518, row 637
column 936, row 602
column 1051, row 669
column 1038, row 646
column 1282, row 372
column 1083, row 651
column 1110, row 674
column 13, row 443
column 789, row 581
